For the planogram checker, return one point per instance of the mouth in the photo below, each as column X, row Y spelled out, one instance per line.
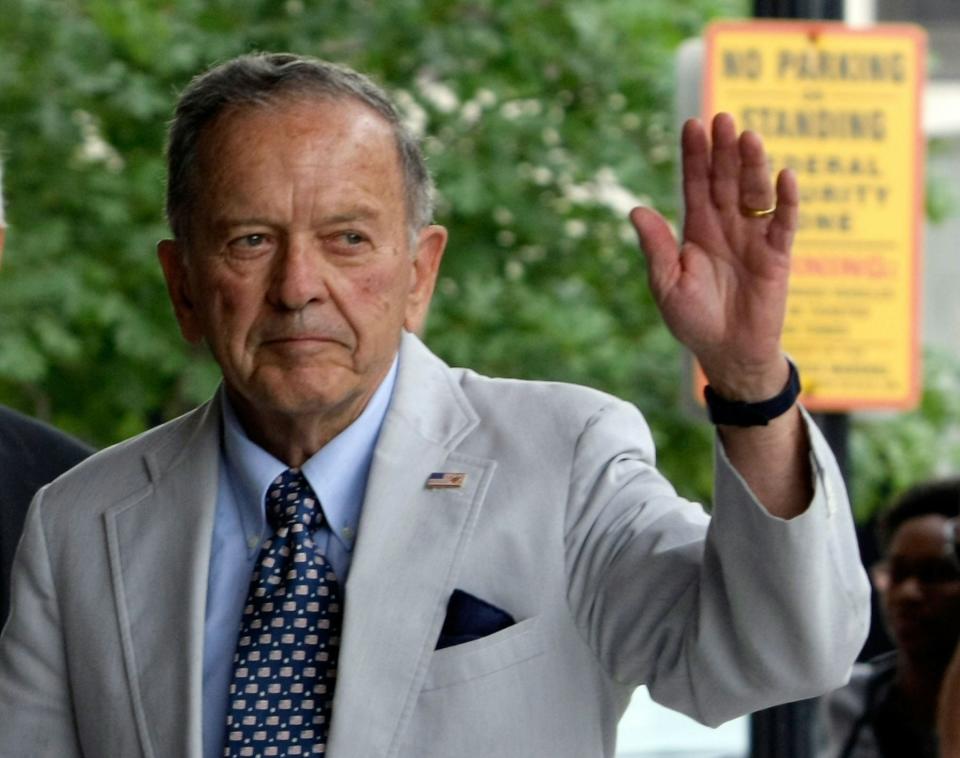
column 301, row 343
column 281, row 339
column 303, row 334
column 910, row 625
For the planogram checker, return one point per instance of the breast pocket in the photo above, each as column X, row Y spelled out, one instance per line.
column 472, row 660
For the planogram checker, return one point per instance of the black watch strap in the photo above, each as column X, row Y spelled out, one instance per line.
column 739, row 413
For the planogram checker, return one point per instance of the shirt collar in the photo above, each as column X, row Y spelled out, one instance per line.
column 337, row 472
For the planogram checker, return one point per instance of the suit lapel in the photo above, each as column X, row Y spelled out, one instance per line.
column 159, row 547
column 410, row 544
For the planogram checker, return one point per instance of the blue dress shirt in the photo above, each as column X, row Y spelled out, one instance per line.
column 338, row 474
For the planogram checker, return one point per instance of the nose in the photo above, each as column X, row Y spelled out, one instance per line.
column 298, row 276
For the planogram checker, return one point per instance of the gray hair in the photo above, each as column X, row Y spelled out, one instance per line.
column 266, row 78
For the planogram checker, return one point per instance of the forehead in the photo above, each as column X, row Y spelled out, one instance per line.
column 297, row 134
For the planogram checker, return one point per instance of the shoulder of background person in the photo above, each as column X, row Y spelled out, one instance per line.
column 34, row 449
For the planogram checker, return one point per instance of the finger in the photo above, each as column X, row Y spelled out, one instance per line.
column 756, row 189
column 725, row 163
column 696, row 164
column 784, row 226
column 659, row 247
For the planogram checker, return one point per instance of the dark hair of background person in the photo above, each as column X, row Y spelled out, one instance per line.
column 940, row 497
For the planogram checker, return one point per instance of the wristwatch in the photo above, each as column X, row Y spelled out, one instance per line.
column 739, row 413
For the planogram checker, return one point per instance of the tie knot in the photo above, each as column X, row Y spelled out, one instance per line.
column 291, row 500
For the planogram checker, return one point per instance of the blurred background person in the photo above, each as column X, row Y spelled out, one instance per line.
column 889, row 708
column 31, row 454
column 948, row 712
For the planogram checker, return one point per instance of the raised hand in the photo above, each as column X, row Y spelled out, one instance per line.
column 723, row 291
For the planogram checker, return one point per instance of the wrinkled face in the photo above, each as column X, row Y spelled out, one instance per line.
column 299, row 272
column 920, row 588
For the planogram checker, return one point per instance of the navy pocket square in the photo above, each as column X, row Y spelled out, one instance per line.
column 470, row 618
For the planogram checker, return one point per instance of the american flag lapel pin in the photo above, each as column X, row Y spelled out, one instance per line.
column 440, row 480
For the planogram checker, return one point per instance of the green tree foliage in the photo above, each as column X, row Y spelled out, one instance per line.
column 889, row 452
column 543, row 120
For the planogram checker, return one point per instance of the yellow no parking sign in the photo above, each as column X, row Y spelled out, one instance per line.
column 842, row 108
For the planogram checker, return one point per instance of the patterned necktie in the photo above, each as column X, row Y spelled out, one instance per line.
column 285, row 667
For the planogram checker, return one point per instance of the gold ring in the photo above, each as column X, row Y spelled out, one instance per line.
column 758, row 213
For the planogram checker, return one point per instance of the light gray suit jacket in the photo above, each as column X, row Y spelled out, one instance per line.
column 563, row 522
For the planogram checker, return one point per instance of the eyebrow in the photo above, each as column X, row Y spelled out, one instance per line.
column 225, row 222
column 359, row 213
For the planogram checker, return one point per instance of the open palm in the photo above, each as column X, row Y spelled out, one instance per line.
column 723, row 291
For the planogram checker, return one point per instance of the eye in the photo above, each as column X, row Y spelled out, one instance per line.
column 353, row 238
column 348, row 243
column 250, row 245
column 250, row 240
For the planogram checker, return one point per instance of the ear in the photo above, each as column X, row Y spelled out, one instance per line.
column 172, row 258
column 431, row 243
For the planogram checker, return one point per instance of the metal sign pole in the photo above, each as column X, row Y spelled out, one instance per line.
column 786, row 731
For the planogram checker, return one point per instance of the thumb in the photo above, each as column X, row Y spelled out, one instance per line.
column 658, row 244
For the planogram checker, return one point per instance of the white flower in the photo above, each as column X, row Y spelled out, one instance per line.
column 438, row 94
column 94, row 148
column 514, row 270
column 414, row 116
column 471, row 112
column 486, row 97
column 575, row 228
column 606, row 190
column 551, row 136
column 541, row 175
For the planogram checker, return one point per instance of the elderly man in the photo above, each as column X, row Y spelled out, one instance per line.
column 356, row 550
column 31, row 454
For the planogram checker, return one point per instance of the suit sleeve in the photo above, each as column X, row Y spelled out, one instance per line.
column 717, row 617
column 34, row 685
